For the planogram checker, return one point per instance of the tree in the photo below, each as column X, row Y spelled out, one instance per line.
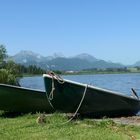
column 7, row 75
column 12, row 67
column 3, row 53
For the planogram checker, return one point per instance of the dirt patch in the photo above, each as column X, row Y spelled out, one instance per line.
column 133, row 120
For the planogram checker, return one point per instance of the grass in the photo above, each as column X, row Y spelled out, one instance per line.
column 25, row 127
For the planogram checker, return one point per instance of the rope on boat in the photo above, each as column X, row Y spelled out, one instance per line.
column 52, row 91
column 61, row 81
column 82, row 99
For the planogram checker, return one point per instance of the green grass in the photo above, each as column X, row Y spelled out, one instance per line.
column 25, row 127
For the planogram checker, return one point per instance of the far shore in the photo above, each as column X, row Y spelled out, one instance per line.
column 81, row 73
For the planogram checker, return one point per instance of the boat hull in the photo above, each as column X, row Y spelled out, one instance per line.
column 97, row 101
column 19, row 99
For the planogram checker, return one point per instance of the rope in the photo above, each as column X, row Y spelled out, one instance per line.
column 52, row 91
column 58, row 77
column 82, row 99
column 61, row 81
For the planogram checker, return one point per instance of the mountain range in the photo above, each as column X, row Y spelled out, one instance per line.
column 60, row 62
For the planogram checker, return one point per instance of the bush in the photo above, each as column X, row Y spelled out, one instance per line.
column 7, row 78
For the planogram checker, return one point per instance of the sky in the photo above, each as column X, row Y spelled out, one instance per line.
column 106, row 29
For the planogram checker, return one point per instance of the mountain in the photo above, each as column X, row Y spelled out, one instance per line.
column 60, row 62
column 136, row 64
column 27, row 57
column 85, row 56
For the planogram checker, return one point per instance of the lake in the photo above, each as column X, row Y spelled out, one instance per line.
column 116, row 82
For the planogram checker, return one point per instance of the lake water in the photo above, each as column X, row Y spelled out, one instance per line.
column 116, row 82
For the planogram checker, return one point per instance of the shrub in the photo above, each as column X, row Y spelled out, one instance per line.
column 7, row 78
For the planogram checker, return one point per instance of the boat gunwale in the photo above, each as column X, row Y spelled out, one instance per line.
column 24, row 88
column 96, row 88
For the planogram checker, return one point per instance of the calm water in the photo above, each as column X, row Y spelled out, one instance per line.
column 116, row 82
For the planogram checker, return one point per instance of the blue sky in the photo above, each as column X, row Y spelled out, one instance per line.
column 106, row 29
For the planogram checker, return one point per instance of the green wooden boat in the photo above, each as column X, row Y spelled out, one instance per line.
column 69, row 96
column 19, row 99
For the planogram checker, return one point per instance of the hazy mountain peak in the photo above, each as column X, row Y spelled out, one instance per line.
column 137, row 63
column 87, row 57
column 56, row 55
column 25, row 52
column 27, row 56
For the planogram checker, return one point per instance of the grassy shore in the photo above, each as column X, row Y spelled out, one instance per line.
column 26, row 127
